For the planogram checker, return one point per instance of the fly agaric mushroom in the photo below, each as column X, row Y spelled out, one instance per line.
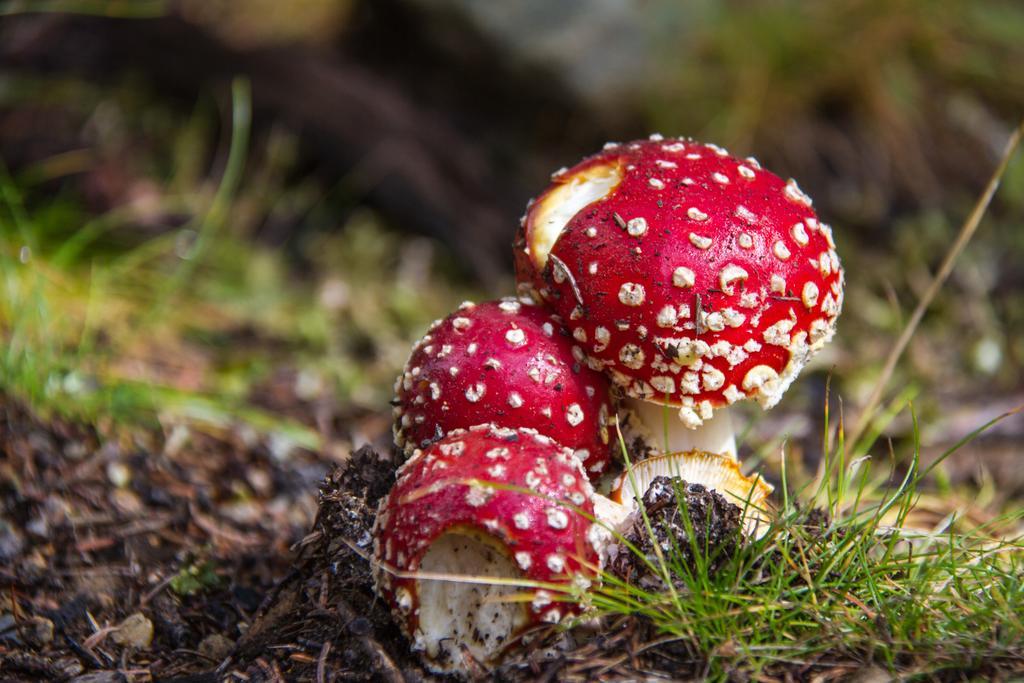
column 692, row 278
column 441, row 517
column 712, row 470
column 508, row 363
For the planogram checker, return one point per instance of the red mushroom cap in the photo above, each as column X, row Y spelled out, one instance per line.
column 505, row 362
column 441, row 502
column 695, row 279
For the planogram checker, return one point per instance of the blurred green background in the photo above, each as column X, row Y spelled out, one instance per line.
column 244, row 213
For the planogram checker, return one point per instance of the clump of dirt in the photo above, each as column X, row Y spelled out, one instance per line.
column 328, row 598
column 712, row 532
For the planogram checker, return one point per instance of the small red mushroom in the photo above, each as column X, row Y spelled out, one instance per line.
column 505, row 362
column 718, row 472
column 694, row 279
column 442, row 517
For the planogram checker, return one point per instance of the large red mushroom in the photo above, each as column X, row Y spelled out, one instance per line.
column 694, row 279
column 445, row 537
column 509, row 363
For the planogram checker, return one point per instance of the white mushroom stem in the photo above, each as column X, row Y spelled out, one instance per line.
column 669, row 434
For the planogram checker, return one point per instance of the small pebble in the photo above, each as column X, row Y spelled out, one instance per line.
column 119, row 474
column 135, row 631
column 37, row 631
column 216, row 647
column 360, row 626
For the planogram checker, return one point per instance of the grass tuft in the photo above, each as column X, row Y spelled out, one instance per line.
column 872, row 584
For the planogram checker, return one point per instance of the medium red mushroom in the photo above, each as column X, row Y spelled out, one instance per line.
column 694, row 279
column 443, row 518
column 509, row 363
column 712, row 470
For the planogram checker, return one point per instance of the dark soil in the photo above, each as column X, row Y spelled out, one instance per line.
column 694, row 527
column 197, row 557
column 221, row 546
column 206, row 538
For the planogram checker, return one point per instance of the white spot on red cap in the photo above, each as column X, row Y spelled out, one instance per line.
column 809, row 294
column 700, row 241
column 730, row 274
column 636, row 226
column 632, row 356
column 475, row 391
column 758, row 377
column 516, row 337
column 574, row 414
column 683, row 277
column 732, row 394
column 524, row 560
column 830, row 306
column 478, row 495
column 778, row 284
column 780, row 250
column 799, row 233
column 552, row 616
column 745, row 214
column 825, row 264
column 663, row 384
column 778, row 333
column 696, row 214
column 667, row 316
column 713, row 378
column 453, row 448
column 557, row 518
column 632, row 294
column 795, row 194
column 403, row 598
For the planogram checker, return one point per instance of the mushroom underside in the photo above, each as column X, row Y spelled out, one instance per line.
column 564, row 202
column 713, row 471
column 476, row 616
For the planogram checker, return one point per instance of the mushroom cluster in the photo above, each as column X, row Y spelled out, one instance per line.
column 660, row 282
